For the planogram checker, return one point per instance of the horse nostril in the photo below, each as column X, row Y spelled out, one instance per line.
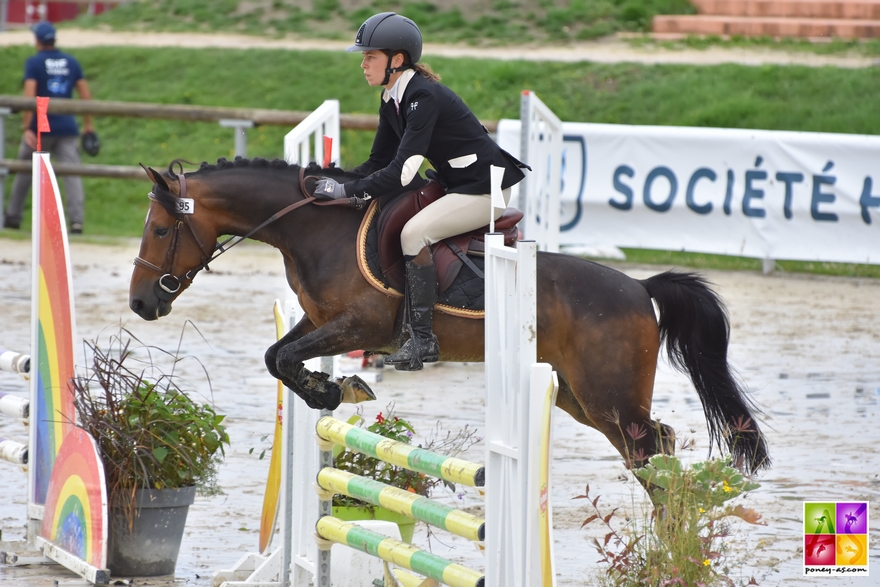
column 136, row 305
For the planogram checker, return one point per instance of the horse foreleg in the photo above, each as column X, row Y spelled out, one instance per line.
column 317, row 389
column 290, row 375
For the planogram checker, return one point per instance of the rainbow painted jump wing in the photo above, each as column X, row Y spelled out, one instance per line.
column 75, row 518
column 53, row 327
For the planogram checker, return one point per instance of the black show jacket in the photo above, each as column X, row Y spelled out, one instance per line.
column 433, row 123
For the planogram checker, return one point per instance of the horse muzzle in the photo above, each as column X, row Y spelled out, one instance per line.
column 149, row 309
column 157, row 305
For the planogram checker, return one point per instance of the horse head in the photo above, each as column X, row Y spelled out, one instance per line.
column 173, row 247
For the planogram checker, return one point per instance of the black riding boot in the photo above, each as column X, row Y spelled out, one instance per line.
column 421, row 295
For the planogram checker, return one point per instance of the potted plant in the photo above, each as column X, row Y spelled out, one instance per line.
column 391, row 426
column 159, row 447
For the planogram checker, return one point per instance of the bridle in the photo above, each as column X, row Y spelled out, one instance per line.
column 168, row 284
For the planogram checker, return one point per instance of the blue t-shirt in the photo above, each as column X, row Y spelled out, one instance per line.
column 56, row 74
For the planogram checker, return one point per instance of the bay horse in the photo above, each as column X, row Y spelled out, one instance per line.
column 596, row 326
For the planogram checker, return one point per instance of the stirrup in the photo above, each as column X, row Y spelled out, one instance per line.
column 407, row 359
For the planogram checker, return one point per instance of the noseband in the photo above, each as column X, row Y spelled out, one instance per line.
column 168, row 284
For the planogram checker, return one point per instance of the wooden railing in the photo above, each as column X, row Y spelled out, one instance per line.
column 259, row 116
column 238, row 118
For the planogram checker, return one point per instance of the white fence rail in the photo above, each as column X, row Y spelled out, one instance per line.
column 541, row 149
column 306, row 141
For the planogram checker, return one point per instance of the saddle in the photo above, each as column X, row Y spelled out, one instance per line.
column 449, row 254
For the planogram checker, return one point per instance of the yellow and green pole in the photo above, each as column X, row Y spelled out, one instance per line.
column 398, row 553
column 400, row 454
column 403, row 502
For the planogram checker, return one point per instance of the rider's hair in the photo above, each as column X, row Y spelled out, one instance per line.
column 426, row 71
column 422, row 68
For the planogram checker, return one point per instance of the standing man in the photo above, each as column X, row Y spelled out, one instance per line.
column 51, row 73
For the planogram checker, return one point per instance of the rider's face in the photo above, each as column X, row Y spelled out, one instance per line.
column 373, row 64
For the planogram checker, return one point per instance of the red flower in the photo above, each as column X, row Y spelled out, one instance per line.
column 380, row 418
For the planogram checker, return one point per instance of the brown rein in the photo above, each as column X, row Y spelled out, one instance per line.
column 169, row 284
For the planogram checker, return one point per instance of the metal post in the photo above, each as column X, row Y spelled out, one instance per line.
column 325, row 507
column 4, row 112
column 3, row 14
column 240, row 129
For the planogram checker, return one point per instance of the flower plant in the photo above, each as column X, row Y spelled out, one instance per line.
column 150, row 433
column 684, row 541
column 389, row 425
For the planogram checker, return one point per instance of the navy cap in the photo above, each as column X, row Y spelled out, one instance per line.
column 44, row 31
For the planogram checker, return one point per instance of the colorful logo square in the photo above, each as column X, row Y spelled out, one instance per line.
column 852, row 550
column 852, row 517
column 819, row 550
column 819, row 517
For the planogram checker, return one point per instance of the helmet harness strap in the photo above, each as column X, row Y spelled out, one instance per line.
column 389, row 70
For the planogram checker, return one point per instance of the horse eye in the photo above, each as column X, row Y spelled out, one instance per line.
column 161, row 231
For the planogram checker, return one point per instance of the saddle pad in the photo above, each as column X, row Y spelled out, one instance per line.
column 463, row 298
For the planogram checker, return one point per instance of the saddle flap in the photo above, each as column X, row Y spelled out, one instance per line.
column 397, row 213
column 390, row 224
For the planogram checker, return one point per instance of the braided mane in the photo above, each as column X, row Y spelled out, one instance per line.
column 258, row 163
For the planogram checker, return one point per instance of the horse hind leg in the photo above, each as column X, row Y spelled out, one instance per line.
column 636, row 439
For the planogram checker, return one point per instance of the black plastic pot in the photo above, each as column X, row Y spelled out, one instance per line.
column 151, row 547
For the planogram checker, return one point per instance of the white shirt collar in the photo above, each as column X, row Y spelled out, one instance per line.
column 399, row 88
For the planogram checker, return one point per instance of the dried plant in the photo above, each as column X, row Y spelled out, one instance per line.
column 150, row 433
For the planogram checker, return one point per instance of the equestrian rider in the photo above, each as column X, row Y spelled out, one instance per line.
column 421, row 119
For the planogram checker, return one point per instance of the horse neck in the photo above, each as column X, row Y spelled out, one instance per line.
column 243, row 201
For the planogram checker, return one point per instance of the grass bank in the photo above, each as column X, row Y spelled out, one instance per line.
column 768, row 97
column 451, row 21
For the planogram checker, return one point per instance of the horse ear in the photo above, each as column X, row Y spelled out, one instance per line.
column 157, row 178
column 154, row 176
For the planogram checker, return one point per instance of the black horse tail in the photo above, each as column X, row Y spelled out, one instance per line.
column 695, row 327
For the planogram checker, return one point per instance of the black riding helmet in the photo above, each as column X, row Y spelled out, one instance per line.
column 391, row 33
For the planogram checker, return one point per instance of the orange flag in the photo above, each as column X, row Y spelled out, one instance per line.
column 328, row 149
column 42, row 119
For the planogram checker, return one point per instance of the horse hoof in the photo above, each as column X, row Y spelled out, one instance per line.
column 355, row 390
column 408, row 366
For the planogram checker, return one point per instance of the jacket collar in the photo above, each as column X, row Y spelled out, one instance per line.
column 399, row 87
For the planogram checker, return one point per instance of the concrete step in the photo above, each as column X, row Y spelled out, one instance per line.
column 851, row 9
column 767, row 26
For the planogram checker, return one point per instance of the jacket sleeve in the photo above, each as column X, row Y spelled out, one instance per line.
column 385, row 145
column 402, row 170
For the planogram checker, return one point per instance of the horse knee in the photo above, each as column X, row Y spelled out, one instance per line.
column 270, row 359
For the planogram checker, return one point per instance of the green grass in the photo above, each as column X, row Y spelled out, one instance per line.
column 833, row 46
column 732, row 263
column 768, row 97
column 476, row 22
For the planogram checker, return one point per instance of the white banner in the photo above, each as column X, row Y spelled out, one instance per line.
column 754, row 193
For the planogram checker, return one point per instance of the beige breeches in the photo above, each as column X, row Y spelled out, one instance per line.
column 450, row 215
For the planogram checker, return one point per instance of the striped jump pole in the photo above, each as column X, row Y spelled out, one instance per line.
column 398, row 553
column 14, row 452
column 403, row 502
column 14, row 362
column 451, row 469
column 14, row 406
